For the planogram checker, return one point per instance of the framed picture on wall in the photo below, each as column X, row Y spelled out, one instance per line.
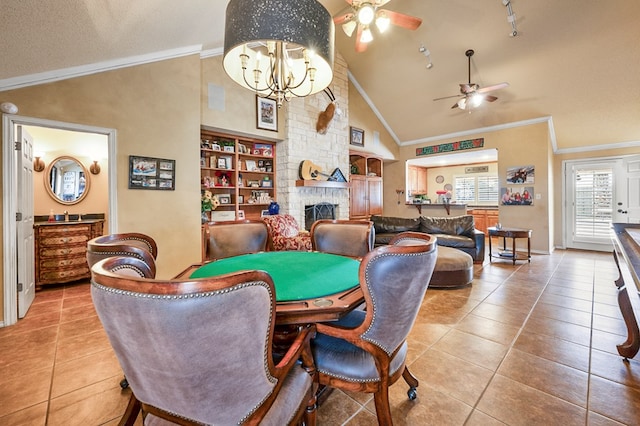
column 267, row 114
column 151, row 173
column 356, row 136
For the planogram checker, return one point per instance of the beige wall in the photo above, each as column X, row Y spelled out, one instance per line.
column 156, row 111
column 362, row 117
column 235, row 110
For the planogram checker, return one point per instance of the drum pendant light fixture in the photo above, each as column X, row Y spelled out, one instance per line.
column 279, row 48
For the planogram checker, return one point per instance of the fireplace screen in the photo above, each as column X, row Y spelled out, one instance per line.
column 317, row 212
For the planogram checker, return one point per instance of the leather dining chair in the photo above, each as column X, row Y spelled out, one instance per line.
column 135, row 239
column 132, row 244
column 135, row 245
column 365, row 351
column 353, row 238
column 233, row 238
column 200, row 351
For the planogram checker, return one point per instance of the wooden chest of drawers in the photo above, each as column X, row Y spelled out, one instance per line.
column 61, row 250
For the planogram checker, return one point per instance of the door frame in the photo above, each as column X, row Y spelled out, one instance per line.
column 10, row 190
column 567, row 203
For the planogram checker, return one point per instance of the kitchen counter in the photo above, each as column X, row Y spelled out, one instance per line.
column 441, row 209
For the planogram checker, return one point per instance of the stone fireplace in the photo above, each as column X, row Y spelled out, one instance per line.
column 328, row 151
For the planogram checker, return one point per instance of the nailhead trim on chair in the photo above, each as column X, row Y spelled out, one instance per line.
column 134, row 268
column 119, row 253
column 142, row 240
column 208, row 294
column 374, row 302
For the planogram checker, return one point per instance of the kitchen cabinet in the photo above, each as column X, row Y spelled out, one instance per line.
column 417, row 180
column 484, row 218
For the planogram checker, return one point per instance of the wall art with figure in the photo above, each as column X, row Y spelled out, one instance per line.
column 521, row 174
column 522, row 196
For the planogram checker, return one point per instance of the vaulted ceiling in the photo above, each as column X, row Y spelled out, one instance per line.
column 574, row 63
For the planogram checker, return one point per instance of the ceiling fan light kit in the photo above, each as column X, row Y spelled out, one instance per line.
column 471, row 94
column 279, row 48
column 362, row 14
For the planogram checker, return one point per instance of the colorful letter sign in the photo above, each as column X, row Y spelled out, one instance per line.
column 450, row 147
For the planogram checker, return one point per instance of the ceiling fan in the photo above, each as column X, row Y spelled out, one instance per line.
column 470, row 93
column 363, row 13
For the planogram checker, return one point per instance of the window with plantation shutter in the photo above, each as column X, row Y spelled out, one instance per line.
column 593, row 208
column 488, row 191
column 464, row 189
column 477, row 190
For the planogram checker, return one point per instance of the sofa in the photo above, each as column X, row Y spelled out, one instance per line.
column 456, row 232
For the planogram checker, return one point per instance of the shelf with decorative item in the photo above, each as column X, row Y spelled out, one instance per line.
column 322, row 183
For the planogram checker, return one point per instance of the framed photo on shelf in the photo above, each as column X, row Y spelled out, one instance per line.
column 222, row 163
column 240, row 214
column 151, row 173
column 224, row 198
column 251, row 165
column 264, row 213
column 266, row 114
column 356, row 136
column 215, row 147
column 266, row 183
column 228, row 148
column 240, row 199
column 242, row 149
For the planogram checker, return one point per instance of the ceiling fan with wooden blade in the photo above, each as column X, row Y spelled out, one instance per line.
column 472, row 95
column 362, row 15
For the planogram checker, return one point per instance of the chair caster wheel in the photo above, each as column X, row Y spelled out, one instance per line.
column 124, row 383
column 412, row 393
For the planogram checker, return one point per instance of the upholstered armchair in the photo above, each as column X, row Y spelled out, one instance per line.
column 366, row 350
column 233, row 238
column 285, row 234
column 200, row 351
column 353, row 238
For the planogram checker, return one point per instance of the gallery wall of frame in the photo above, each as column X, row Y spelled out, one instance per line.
column 152, row 173
column 240, row 172
column 518, row 191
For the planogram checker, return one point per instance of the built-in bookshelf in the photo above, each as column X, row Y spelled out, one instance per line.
column 240, row 172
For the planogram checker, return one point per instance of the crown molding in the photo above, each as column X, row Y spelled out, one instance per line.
column 82, row 70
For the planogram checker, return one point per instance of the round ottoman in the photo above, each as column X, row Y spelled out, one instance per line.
column 454, row 268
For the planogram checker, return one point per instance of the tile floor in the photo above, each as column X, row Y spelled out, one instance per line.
column 531, row 344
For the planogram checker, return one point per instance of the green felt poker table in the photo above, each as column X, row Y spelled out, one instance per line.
column 310, row 286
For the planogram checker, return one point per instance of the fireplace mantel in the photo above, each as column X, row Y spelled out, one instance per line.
column 322, row 184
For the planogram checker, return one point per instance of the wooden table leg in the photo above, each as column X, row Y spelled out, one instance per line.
column 630, row 347
column 490, row 256
column 513, row 245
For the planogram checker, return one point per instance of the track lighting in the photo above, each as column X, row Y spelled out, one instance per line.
column 511, row 18
column 427, row 54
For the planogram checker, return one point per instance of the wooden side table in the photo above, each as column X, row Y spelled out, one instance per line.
column 513, row 233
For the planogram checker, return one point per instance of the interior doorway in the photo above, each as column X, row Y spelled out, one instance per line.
column 11, row 189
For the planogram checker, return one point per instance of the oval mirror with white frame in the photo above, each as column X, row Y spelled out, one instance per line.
column 67, row 180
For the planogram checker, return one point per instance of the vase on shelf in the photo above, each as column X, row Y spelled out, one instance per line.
column 205, row 216
column 274, row 208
